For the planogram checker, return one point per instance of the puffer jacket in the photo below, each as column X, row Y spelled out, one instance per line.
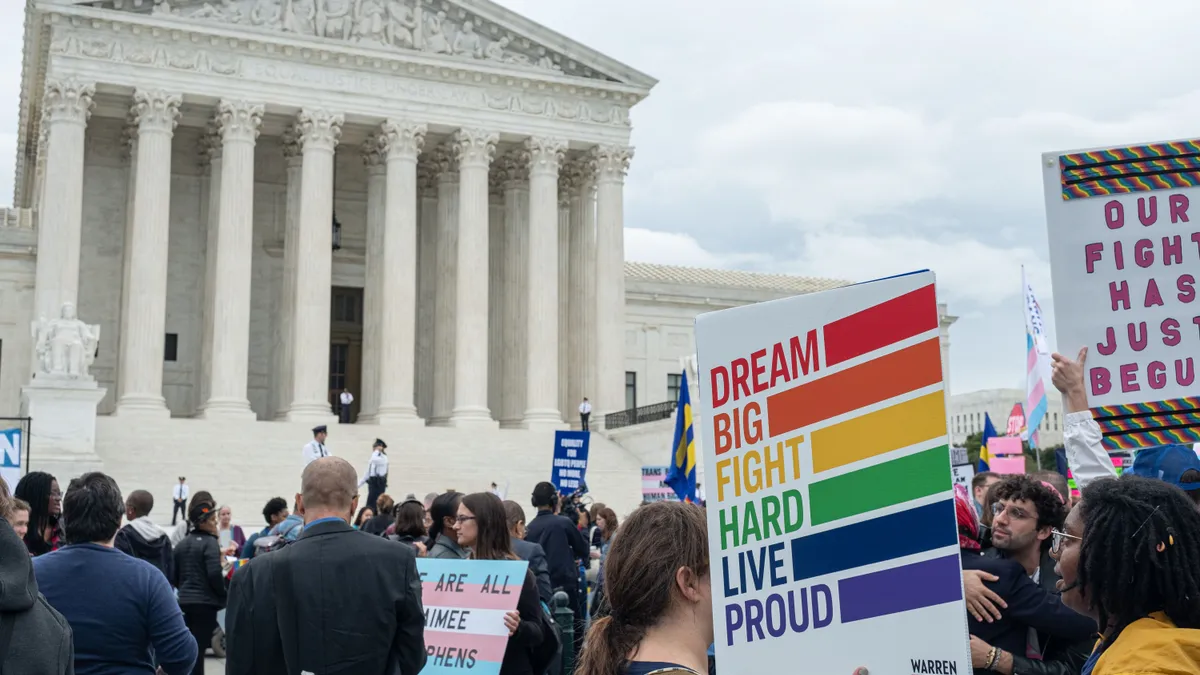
column 1151, row 646
column 198, row 570
column 41, row 642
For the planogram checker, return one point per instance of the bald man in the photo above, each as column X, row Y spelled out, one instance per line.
column 337, row 600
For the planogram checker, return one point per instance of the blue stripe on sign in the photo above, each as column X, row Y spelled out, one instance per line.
column 924, row 528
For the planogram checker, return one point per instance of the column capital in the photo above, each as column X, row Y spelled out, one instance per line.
column 373, row 155
column 427, row 177
column 156, row 110
column 402, row 139
column 610, row 162
column 545, row 154
column 318, row 129
column 443, row 161
column 293, row 154
column 210, row 144
column 129, row 139
column 512, row 170
column 239, row 120
column 475, row 147
column 68, row 100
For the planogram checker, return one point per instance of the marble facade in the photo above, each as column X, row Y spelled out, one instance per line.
column 180, row 165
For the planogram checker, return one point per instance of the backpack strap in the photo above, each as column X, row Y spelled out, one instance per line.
column 8, row 623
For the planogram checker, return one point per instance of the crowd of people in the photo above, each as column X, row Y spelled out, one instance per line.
column 1108, row 585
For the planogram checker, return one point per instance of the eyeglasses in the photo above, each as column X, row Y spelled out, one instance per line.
column 55, row 495
column 1057, row 538
column 1014, row 513
column 463, row 519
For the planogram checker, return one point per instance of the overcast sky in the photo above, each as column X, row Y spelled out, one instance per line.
column 859, row 138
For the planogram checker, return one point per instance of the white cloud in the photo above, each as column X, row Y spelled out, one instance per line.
column 666, row 248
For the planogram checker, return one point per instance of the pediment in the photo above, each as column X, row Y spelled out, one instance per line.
column 463, row 30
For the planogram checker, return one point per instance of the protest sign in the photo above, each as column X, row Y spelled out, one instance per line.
column 831, row 522
column 10, row 456
column 653, row 487
column 963, row 473
column 1124, row 258
column 465, row 602
column 570, row 460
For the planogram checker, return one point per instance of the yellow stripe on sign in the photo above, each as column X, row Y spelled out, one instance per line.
column 898, row 426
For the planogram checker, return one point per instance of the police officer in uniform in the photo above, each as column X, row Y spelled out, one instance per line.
column 375, row 477
column 315, row 449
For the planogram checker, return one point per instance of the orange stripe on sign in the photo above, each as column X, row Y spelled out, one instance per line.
column 878, row 380
column 899, row 426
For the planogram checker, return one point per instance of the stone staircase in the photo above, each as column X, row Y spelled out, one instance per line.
column 244, row 464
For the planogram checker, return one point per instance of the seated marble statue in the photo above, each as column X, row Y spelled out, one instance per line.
column 66, row 346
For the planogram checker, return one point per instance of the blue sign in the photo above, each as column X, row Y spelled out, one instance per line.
column 10, row 457
column 570, row 460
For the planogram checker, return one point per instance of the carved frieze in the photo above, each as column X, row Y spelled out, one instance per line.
column 429, row 26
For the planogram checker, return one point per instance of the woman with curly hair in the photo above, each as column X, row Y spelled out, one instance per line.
column 1129, row 557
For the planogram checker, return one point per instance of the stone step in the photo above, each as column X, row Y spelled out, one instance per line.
column 245, row 463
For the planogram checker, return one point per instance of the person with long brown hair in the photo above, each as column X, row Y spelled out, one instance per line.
column 482, row 527
column 606, row 527
column 660, row 597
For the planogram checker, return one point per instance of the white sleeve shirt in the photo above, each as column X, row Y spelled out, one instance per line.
column 585, row 408
column 1086, row 456
column 180, row 493
column 347, row 398
column 376, row 466
column 314, row 450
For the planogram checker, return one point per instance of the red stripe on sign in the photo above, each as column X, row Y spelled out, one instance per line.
column 881, row 325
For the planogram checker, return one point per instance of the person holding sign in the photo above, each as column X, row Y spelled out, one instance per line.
column 482, row 527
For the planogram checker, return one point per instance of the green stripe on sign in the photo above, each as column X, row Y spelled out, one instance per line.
column 900, row 480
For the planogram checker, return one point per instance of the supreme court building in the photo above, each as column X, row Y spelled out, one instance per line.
column 263, row 201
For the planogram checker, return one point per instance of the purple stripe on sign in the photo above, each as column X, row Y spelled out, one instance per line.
column 900, row 589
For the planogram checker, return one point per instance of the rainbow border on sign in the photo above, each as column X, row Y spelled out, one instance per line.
column 1141, row 425
column 1138, row 168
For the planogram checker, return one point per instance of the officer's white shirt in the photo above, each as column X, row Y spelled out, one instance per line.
column 585, row 407
column 347, row 398
column 376, row 466
column 180, row 493
column 314, row 450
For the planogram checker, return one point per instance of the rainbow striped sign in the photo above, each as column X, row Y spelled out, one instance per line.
column 832, row 523
column 465, row 602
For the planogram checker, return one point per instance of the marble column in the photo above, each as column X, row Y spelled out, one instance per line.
column 285, row 353
column 612, row 163
column 211, row 147
column 426, row 284
column 474, row 149
column 141, row 359
column 66, row 107
column 514, row 274
column 317, row 132
column 582, row 340
column 544, row 155
column 564, row 296
column 404, row 140
column 446, row 300
column 127, row 261
column 373, row 337
column 238, row 122
column 495, row 289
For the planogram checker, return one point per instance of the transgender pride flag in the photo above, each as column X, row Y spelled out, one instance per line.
column 1037, row 364
column 465, row 602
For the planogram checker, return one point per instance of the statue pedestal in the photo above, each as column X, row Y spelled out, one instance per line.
column 62, row 433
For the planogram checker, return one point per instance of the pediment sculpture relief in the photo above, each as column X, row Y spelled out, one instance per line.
column 390, row 24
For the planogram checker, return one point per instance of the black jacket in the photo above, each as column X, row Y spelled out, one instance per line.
column 563, row 544
column 1029, row 606
column 143, row 539
column 1059, row 656
column 336, row 601
column 198, row 570
column 518, row 658
column 379, row 524
column 536, row 557
column 41, row 642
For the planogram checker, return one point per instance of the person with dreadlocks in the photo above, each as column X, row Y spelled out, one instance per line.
column 40, row 490
column 1129, row 557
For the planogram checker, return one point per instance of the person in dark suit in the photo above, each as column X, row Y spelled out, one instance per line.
column 335, row 601
column 528, row 551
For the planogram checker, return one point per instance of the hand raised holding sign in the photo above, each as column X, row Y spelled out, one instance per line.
column 1068, row 378
column 512, row 621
